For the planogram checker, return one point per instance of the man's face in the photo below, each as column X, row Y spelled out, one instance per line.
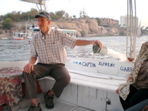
column 43, row 22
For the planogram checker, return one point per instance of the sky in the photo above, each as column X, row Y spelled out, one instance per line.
column 94, row 8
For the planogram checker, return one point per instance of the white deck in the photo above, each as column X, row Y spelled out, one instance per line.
column 59, row 106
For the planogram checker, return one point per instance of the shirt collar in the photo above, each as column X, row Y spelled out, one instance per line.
column 46, row 35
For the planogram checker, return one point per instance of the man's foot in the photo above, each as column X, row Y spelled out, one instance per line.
column 49, row 101
column 34, row 108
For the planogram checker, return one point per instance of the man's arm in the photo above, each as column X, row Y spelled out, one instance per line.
column 88, row 42
column 32, row 60
column 29, row 67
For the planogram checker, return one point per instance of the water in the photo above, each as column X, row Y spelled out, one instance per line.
column 19, row 50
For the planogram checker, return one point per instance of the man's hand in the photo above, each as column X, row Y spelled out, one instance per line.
column 95, row 42
column 28, row 68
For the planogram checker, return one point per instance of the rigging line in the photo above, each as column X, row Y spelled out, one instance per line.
column 131, row 30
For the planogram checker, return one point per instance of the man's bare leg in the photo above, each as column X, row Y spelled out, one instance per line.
column 51, row 92
column 34, row 101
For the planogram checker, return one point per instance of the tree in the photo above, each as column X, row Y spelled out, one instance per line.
column 101, row 29
column 98, row 21
column 74, row 16
column 21, row 16
column 1, row 17
column 66, row 15
column 7, row 23
column 8, row 15
column 53, row 16
column 108, row 30
column 83, row 14
column 146, row 28
column 60, row 14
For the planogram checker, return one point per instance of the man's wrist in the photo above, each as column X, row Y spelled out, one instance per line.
column 31, row 63
column 92, row 42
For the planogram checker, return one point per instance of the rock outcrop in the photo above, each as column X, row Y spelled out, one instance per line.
column 89, row 26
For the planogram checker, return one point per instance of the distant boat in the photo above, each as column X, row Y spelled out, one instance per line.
column 20, row 36
column 4, row 38
column 33, row 31
column 69, row 32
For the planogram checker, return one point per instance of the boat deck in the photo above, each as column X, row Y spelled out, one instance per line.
column 59, row 105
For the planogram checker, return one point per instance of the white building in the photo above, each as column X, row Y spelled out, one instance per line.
column 124, row 23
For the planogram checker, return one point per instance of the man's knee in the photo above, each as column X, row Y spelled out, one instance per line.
column 26, row 75
column 66, row 80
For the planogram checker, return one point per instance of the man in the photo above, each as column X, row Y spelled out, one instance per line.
column 48, row 47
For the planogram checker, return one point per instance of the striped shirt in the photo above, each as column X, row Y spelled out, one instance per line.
column 52, row 49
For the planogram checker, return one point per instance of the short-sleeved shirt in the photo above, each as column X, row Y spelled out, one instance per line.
column 52, row 49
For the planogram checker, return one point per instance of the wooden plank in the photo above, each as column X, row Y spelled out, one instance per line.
column 108, row 84
column 91, row 98
column 82, row 109
column 115, row 104
column 69, row 93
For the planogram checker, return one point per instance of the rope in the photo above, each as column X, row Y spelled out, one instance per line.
column 131, row 30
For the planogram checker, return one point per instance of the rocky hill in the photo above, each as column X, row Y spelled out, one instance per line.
column 84, row 27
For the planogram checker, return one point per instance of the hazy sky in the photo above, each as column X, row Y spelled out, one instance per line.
column 94, row 8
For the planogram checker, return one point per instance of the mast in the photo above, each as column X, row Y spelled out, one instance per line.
column 132, row 23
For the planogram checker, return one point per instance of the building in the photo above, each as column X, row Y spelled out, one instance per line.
column 124, row 23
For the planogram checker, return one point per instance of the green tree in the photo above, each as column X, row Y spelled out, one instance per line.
column 83, row 14
column 7, row 23
column 98, row 21
column 53, row 16
column 8, row 15
column 60, row 14
column 101, row 29
column 21, row 16
column 66, row 15
column 108, row 30
column 74, row 16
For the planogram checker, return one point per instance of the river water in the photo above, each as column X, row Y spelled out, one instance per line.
column 19, row 50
